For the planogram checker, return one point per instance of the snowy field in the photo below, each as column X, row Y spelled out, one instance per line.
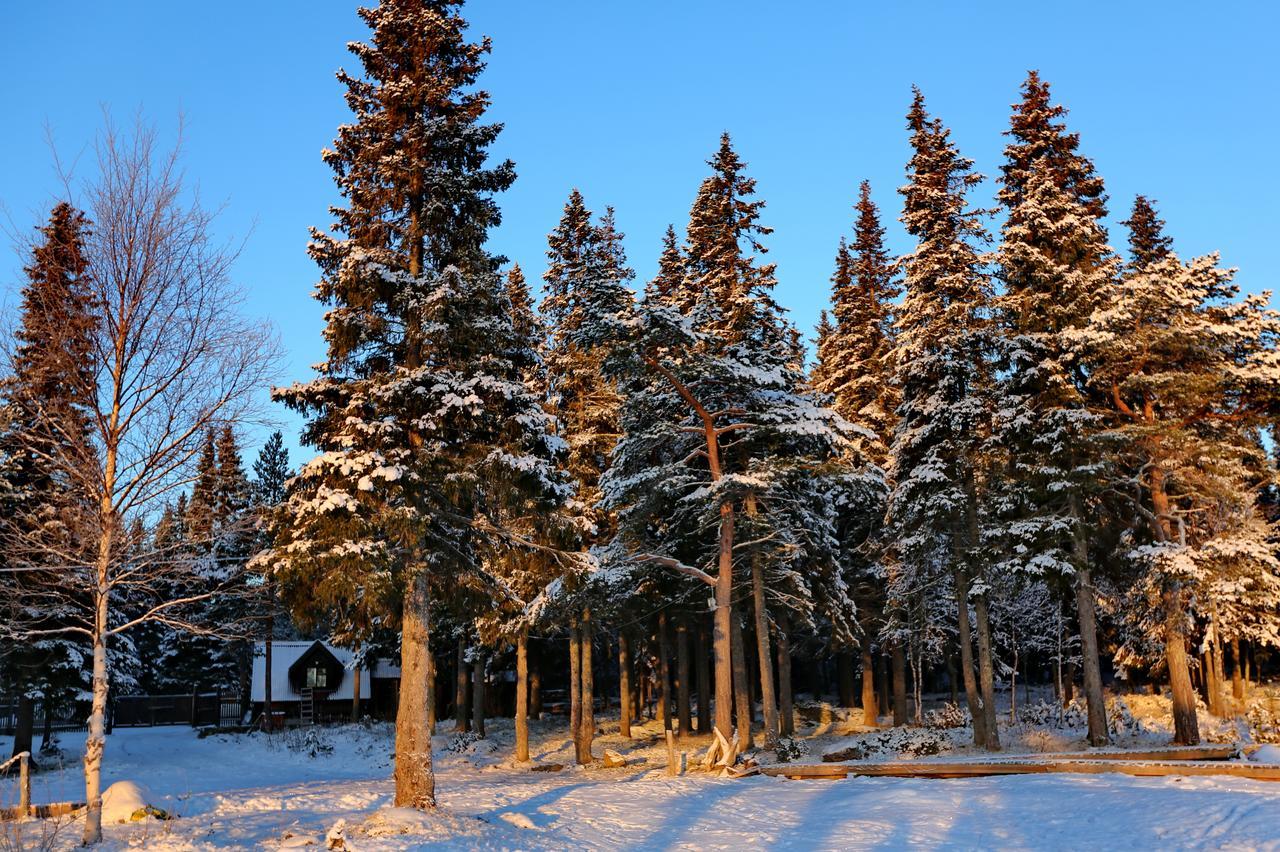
column 288, row 791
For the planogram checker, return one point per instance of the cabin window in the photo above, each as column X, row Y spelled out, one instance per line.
column 317, row 677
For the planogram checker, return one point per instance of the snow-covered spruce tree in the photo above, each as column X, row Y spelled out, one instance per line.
column 715, row 426
column 1055, row 267
column 942, row 370
column 42, row 511
column 586, row 275
column 429, row 438
column 1188, row 368
column 665, row 287
column 268, row 489
column 854, row 369
column 854, row 358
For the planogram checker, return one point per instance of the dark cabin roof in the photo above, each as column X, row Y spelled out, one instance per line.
column 319, row 655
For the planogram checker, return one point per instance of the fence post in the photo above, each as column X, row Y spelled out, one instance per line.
column 24, row 785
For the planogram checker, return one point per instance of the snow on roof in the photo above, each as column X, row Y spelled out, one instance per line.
column 285, row 654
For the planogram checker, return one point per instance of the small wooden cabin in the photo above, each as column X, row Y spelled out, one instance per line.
column 316, row 682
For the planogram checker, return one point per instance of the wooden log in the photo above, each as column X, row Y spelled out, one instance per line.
column 56, row 809
column 979, row 769
column 24, row 782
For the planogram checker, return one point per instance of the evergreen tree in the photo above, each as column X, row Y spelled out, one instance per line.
column 45, row 416
column 1188, row 369
column 1148, row 243
column 428, row 435
column 1055, row 266
column 942, row 369
column 665, row 287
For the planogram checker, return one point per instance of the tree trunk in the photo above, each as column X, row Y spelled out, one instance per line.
column 415, row 780
column 1186, row 727
column 869, row 716
column 683, row 714
column 478, row 696
column 768, row 700
column 522, row 695
column 723, row 625
column 587, row 680
column 575, row 688
column 1085, row 609
column 844, row 679
column 626, row 713
column 952, row 676
column 986, row 671
column 25, row 730
column 535, row 689
column 786, row 707
column 741, row 686
column 355, row 692
column 898, row 663
column 1237, row 681
column 462, row 719
column 664, row 673
column 703, row 658
column 882, row 684
column 432, row 685
column 268, row 721
column 95, row 742
column 966, row 659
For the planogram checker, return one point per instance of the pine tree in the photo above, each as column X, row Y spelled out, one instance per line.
column 942, row 370
column 43, row 512
column 1055, row 266
column 1187, row 367
column 854, row 356
column 1148, row 243
column 665, row 287
column 268, row 490
column 429, row 436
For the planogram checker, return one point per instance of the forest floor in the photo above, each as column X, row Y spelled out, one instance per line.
column 294, row 789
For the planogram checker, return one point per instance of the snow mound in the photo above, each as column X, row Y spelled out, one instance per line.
column 1269, row 753
column 519, row 820
column 122, row 800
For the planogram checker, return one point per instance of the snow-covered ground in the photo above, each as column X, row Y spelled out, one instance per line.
column 255, row 792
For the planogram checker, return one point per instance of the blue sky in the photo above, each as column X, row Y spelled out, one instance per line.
column 626, row 100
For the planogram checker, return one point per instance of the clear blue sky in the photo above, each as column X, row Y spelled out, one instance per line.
column 625, row 100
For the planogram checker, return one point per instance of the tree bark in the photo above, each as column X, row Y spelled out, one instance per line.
column 1085, row 610
column 966, row 659
column 478, row 696
column 741, row 686
column 1237, row 681
column 684, row 716
column 355, row 692
column 768, row 698
column 703, row 663
column 786, row 707
column 626, row 713
column 1186, row 727
column 462, row 719
column 898, row 663
column 522, row 695
column 664, row 673
column 575, row 688
column 869, row 715
column 95, row 742
column 415, row 779
column 986, row 671
column 723, row 626
column 587, row 680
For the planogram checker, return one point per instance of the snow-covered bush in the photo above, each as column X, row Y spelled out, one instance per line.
column 906, row 742
column 312, row 742
column 790, row 749
column 947, row 716
column 460, row 743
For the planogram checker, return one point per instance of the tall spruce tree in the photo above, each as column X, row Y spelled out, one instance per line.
column 1188, row 368
column 943, row 372
column 429, row 436
column 43, row 512
column 1055, row 267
